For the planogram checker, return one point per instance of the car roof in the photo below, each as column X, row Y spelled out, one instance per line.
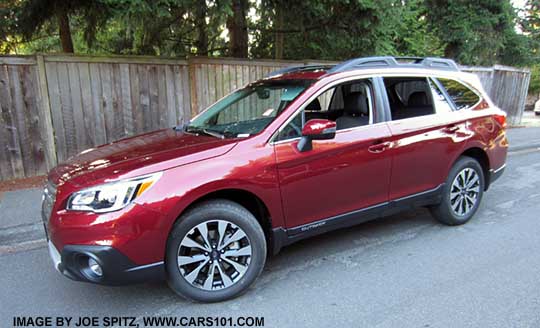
column 381, row 66
column 315, row 72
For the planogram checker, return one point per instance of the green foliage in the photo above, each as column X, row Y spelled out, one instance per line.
column 413, row 35
column 474, row 32
column 480, row 32
column 534, row 85
column 333, row 29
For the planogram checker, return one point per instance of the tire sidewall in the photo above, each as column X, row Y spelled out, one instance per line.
column 212, row 210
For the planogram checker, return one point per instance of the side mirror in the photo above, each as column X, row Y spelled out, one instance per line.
column 316, row 129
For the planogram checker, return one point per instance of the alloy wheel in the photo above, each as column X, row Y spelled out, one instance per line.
column 464, row 191
column 214, row 255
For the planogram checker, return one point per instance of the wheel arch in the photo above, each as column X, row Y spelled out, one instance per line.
column 249, row 200
column 482, row 158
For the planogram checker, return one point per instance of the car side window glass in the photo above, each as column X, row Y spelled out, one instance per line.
column 348, row 104
column 409, row 97
column 357, row 105
column 462, row 96
column 337, row 98
column 293, row 129
column 439, row 100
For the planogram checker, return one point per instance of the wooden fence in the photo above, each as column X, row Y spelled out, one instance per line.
column 54, row 106
column 507, row 87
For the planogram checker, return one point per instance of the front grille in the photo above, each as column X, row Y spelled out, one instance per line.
column 47, row 202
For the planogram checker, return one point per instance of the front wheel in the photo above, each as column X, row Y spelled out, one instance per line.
column 215, row 252
column 462, row 193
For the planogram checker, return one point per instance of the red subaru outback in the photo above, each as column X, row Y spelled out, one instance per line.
column 306, row 150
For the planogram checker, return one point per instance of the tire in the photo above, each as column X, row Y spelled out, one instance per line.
column 451, row 211
column 230, row 230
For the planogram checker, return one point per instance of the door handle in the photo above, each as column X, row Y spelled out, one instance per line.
column 451, row 129
column 378, row 147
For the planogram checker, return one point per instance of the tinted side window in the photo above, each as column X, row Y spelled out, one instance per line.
column 409, row 97
column 349, row 105
column 439, row 99
column 461, row 95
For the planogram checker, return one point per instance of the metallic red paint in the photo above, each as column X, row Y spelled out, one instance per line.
column 358, row 168
column 318, row 126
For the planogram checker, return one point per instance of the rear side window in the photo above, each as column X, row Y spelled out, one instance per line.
column 439, row 100
column 462, row 96
column 409, row 97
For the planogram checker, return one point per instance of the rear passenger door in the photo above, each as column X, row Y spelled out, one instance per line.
column 424, row 134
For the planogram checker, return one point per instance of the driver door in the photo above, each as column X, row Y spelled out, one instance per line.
column 338, row 176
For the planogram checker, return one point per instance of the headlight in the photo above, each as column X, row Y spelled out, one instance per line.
column 110, row 196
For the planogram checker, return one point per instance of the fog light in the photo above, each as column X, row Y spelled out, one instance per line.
column 94, row 267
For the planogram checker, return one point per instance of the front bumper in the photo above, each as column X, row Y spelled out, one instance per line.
column 117, row 269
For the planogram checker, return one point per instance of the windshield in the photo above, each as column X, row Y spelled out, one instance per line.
column 247, row 111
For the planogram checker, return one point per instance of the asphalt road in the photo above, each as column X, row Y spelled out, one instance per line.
column 400, row 271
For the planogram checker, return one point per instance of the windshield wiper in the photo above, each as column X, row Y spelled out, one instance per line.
column 198, row 130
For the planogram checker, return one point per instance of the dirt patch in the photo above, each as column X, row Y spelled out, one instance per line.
column 16, row 184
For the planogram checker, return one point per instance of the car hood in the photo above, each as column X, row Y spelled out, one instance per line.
column 137, row 156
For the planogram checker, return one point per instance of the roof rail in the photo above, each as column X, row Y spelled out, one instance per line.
column 292, row 69
column 392, row 62
column 440, row 63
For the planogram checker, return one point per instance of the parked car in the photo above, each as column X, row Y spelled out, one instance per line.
column 303, row 151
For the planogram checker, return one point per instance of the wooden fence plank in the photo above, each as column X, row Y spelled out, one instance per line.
column 45, row 118
column 89, row 118
column 118, row 113
column 194, row 101
column 162, row 118
column 153, row 112
column 135, row 99
column 37, row 163
column 10, row 146
column 67, row 114
column 107, row 99
column 172, row 102
column 56, row 110
column 178, row 95
column 23, row 153
column 80, row 131
column 127, row 106
column 186, row 93
column 100, row 135
column 144, row 96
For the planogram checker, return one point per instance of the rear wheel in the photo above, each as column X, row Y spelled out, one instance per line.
column 462, row 193
column 215, row 251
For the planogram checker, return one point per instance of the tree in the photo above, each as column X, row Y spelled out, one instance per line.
column 333, row 29
column 474, row 32
column 201, row 11
column 413, row 35
column 530, row 24
column 34, row 14
column 237, row 26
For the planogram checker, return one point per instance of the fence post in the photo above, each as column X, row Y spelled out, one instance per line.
column 193, row 88
column 44, row 108
column 523, row 97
